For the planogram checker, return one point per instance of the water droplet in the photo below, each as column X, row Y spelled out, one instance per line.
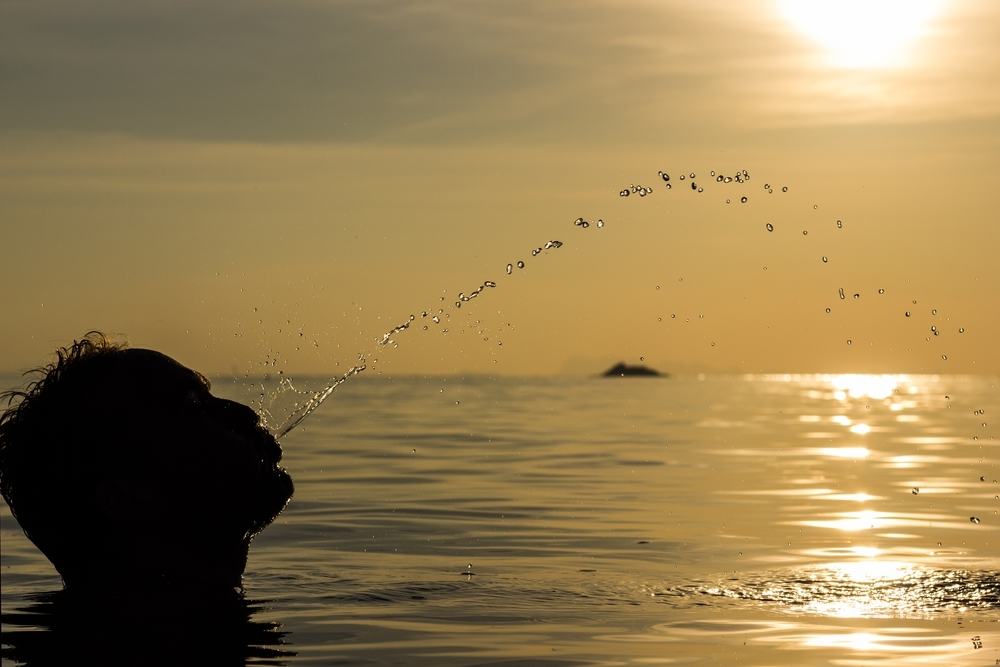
column 975, row 519
column 743, row 199
column 915, row 490
column 770, row 227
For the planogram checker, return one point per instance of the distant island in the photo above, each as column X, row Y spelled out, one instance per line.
column 621, row 369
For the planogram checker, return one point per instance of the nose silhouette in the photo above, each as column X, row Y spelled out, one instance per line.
column 235, row 414
column 244, row 419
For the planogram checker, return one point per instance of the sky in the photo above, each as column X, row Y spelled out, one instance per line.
column 249, row 186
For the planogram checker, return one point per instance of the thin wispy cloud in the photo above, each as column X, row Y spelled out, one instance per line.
column 445, row 71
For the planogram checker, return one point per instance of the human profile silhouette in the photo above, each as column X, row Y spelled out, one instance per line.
column 130, row 476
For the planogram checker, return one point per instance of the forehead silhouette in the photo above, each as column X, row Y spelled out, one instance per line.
column 146, row 373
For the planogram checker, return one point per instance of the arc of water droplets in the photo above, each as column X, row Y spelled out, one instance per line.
column 317, row 398
column 739, row 177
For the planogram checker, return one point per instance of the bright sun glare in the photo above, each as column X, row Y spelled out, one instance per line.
column 862, row 33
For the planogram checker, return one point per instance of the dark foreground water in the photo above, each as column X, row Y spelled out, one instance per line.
column 778, row 520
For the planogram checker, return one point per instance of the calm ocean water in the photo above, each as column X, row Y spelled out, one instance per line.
column 764, row 520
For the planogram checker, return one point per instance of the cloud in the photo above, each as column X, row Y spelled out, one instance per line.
column 344, row 71
column 380, row 71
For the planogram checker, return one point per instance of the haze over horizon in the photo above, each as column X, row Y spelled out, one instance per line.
column 240, row 184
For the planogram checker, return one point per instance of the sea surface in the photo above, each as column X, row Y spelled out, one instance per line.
column 717, row 520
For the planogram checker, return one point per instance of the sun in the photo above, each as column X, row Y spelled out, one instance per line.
column 862, row 33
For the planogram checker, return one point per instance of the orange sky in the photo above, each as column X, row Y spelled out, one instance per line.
column 166, row 169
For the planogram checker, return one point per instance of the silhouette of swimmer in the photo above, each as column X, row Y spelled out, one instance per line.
column 129, row 476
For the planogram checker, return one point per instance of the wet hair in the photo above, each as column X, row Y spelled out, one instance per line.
column 46, row 447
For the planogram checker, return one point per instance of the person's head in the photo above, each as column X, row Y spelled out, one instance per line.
column 125, row 471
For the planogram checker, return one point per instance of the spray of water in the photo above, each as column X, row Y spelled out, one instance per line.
column 308, row 401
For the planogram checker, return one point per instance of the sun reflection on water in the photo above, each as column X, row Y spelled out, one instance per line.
column 845, row 580
column 867, row 476
column 856, row 385
column 866, row 587
column 845, row 452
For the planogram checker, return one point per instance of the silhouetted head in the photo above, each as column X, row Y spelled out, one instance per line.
column 126, row 472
